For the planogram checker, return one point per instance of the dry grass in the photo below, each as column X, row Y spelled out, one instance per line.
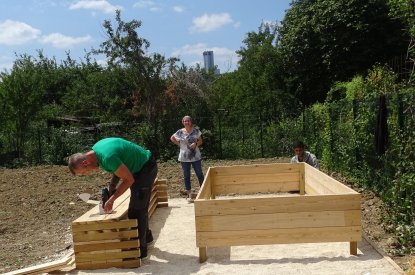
column 411, row 270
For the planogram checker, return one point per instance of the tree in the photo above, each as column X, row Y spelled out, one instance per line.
column 126, row 49
column 187, row 92
column 323, row 41
column 259, row 86
column 21, row 94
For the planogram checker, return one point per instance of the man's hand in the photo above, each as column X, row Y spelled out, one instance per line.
column 127, row 180
column 108, row 205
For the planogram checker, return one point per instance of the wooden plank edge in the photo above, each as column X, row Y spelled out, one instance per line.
column 46, row 267
column 162, row 204
column 104, row 265
column 383, row 254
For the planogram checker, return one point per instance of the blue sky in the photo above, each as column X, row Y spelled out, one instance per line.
column 180, row 28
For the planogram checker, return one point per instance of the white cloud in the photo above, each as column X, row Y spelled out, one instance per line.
column 98, row 5
column 17, row 33
column 225, row 58
column 64, row 42
column 178, row 9
column 207, row 23
column 147, row 4
column 199, row 48
column 196, row 49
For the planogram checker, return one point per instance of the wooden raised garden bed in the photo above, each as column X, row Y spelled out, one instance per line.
column 274, row 204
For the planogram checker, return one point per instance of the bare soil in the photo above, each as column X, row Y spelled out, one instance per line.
column 39, row 203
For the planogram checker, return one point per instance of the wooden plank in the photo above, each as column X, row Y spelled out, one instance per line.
column 104, row 265
column 162, row 199
column 151, row 209
column 284, row 204
column 87, row 247
column 123, row 208
column 153, row 197
column 161, row 182
column 98, row 236
column 279, row 236
column 205, row 189
column 106, row 255
column 312, row 190
column 302, row 179
column 162, row 188
column 254, row 187
column 312, row 175
column 43, row 268
column 258, row 169
column 257, row 178
column 162, row 194
column 162, row 204
column 278, row 220
column 93, row 214
column 105, row 225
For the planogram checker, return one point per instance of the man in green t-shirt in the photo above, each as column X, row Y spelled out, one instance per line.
column 137, row 169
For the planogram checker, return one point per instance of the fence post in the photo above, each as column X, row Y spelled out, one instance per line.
column 39, row 157
column 261, row 135
column 222, row 113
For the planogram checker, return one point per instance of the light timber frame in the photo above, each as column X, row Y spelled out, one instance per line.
column 111, row 240
column 324, row 211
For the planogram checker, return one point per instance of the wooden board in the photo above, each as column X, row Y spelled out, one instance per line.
column 205, row 191
column 324, row 184
column 255, row 186
column 278, row 220
column 104, row 225
column 102, row 265
column 255, row 178
column 119, row 211
column 278, row 236
column 99, row 246
column 106, row 256
column 101, row 236
column 258, row 169
column 280, row 204
column 43, row 268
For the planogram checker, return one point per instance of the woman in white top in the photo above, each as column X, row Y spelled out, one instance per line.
column 189, row 139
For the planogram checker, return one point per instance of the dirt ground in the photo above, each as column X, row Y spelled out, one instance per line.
column 39, row 203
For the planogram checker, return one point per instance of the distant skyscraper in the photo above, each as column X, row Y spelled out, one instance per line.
column 208, row 60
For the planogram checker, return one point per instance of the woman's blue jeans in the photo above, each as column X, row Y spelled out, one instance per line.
column 197, row 166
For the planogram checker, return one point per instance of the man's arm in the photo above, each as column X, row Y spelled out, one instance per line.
column 315, row 162
column 127, row 180
column 112, row 186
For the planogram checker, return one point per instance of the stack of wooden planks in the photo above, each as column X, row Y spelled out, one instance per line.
column 111, row 240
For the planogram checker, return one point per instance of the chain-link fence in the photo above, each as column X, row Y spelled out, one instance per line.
column 341, row 134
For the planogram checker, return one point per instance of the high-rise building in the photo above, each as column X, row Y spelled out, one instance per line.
column 208, row 60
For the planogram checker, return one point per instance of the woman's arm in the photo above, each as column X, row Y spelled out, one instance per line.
column 174, row 140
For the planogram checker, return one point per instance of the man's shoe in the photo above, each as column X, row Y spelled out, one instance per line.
column 143, row 256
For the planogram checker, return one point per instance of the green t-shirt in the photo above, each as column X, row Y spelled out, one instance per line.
column 112, row 152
